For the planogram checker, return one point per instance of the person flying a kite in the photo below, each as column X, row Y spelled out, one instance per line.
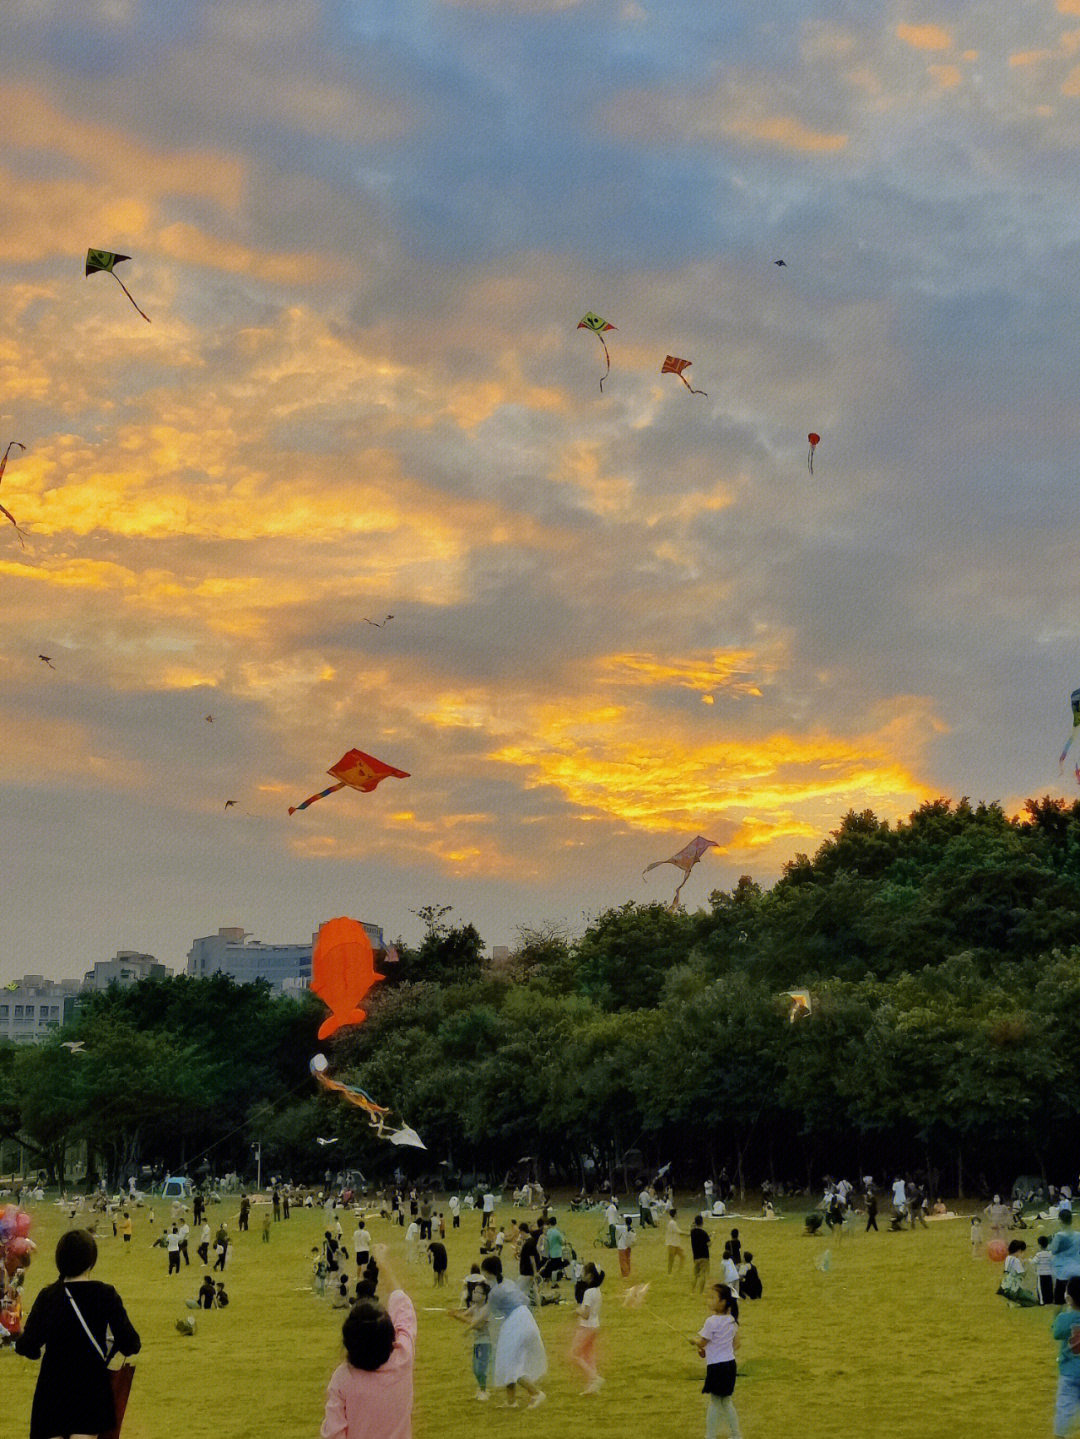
column 684, row 860
column 673, row 366
column 598, row 326
column 105, row 262
column 356, row 770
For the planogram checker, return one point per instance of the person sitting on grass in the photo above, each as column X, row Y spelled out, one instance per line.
column 370, row 1396
column 206, row 1293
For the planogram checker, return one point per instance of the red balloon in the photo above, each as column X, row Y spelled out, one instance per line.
column 997, row 1251
column 814, row 439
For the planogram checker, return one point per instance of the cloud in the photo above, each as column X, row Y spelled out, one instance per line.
column 925, row 37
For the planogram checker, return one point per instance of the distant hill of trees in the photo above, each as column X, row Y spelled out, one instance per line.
column 942, row 954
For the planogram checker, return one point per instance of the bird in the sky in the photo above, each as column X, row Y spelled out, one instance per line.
column 377, row 624
column 229, row 802
column 46, row 660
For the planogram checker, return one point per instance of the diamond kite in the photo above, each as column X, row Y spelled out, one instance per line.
column 106, row 262
column 673, row 366
column 356, row 770
column 684, row 860
column 800, row 1003
column 598, row 326
column 342, row 972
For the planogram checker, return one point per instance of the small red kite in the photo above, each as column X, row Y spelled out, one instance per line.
column 673, row 366
column 815, row 440
column 356, row 770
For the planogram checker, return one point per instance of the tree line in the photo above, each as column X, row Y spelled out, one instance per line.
column 942, row 956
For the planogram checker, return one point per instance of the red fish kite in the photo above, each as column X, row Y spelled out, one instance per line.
column 684, row 860
column 342, row 972
column 815, row 440
column 400, row 1134
column 7, row 513
column 106, row 261
column 672, row 366
column 357, row 770
column 598, row 326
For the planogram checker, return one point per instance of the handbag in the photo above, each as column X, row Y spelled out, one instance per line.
column 119, row 1379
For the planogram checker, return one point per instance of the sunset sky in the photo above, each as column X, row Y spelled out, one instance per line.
column 364, row 232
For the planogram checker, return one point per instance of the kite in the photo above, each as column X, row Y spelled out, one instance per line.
column 391, row 956
column 357, row 770
column 377, row 624
column 815, row 440
column 781, row 263
column 209, row 719
column 7, row 513
column 376, row 1113
column 106, row 261
column 46, row 659
column 800, row 1003
column 598, row 326
column 76, row 1046
column 229, row 803
column 672, row 366
column 1074, row 701
column 684, row 860
column 320, row 1140
column 342, row 972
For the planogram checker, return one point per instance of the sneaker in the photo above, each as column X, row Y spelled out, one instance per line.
column 594, row 1386
column 509, row 1404
column 482, row 1394
column 537, row 1399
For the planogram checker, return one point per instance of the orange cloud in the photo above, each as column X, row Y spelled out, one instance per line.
column 1030, row 57
column 924, row 37
column 787, row 132
column 947, row 76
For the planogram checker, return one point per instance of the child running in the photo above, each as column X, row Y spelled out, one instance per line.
column 583, row 1350
column 716, row 1343
column 474, row 1313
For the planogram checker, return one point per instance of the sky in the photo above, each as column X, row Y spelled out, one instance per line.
column 364, row 232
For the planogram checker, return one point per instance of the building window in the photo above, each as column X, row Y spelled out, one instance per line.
column 18, row 1011
column 29, row 1011
column 5, row 1011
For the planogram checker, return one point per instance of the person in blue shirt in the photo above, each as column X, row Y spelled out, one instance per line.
column 1064, row 1255
column 1066, row 1329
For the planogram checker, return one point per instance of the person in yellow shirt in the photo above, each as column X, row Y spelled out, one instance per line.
column 125, row 1228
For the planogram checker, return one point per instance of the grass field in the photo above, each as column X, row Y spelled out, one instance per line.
column 901, row 1337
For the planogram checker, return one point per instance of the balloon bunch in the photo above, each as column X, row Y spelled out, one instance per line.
column 16, row 1250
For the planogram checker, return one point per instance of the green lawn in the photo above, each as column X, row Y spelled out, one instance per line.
column 902, row 1337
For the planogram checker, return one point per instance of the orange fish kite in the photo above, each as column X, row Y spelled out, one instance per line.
column 357, row 770
column 342, row 972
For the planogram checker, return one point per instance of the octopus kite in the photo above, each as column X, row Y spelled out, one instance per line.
column 598, row 326
column 400, row 1134
column 106, row 262
column 357, row 770
column 7, row 513
column 684, row 860
column 673, row 366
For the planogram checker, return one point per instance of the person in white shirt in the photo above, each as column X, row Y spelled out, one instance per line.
column 487, row 1211
column 899, row 1196
column 583, row 1350
column 612, row 1215
column 412, row 1242
column 645, row 1204
column 673, row 1239
column 184, row 1231
column 172, row 1245
column 625, row 1238
column 731, row 1271
column 361, row 1243
column 454, row 1206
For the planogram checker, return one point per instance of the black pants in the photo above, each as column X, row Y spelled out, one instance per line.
column 1059, row 1290
column 871, row 1223
column 425, row 1229
column 174, row 1261
column 457, row 1222
column 1046, row 1289
column 203, row 1252
column 183, row 1251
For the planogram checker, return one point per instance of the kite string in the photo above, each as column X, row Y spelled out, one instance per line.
column 127, row 292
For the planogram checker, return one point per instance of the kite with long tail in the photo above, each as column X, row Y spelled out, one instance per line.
column 673, row 366
column 684, row 860
column 401, row 1134
column 7, row 513
column 814, row 440
column 356, row 770
column 1074, row 701
column 106, row 261
column 598, row 326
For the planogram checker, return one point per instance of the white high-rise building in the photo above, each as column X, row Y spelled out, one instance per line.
column 32, row 1006
column 285, row 967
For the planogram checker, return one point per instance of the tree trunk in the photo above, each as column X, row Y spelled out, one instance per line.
column 959, row 1171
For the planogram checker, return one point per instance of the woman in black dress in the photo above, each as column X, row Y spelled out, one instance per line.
column 73, row 1398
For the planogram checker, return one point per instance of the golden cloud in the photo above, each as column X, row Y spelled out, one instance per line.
column 925, row 37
